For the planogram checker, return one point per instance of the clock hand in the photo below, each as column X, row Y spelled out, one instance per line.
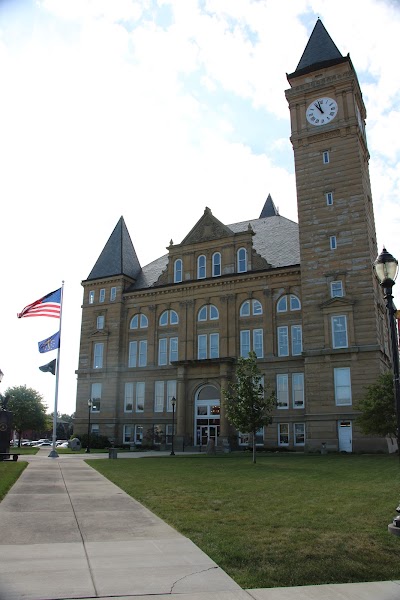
column 318, row 105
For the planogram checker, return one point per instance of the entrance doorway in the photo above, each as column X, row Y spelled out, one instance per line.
column 345, row 436
column 207, row 416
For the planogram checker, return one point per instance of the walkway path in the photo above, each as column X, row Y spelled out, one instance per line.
column 67, row 532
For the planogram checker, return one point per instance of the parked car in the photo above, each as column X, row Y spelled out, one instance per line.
column 59, row 442
column 42, row 445
column 63, row 445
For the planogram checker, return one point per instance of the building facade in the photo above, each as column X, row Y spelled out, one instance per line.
column 302, row 296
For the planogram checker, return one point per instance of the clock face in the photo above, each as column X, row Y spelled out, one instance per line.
column 321, row 111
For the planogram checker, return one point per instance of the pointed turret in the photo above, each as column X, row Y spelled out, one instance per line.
column 269, row 209
column 118, row 256
column 320, row 51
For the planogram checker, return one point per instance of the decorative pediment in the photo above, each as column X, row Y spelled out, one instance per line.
column 207, row 228
column 337, row 302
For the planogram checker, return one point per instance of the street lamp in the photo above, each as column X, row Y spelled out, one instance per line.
column 386, row 268
column 173, row 403
column 90, row 404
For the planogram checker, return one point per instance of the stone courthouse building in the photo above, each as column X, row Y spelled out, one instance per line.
column 303, row 297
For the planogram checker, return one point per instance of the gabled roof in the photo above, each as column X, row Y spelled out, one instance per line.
column 118, row 256
column 320, row 51
column 207, row 227
column 269, row 209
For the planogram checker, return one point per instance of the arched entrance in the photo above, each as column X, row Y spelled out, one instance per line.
column 207, row 415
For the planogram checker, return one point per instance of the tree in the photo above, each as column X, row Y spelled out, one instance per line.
column 65, row 425
column 247, row 407
column 378, row 408
column 28, row 410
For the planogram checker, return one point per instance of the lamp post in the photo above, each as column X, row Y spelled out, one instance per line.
column 386, row 268
column 173, row 403
column 90, row 404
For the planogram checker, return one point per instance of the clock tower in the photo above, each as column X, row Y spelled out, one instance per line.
column 344, row 327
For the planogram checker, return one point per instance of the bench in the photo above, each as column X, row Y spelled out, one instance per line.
column 8, row 455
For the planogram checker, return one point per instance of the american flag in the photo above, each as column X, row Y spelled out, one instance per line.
column 48, row 306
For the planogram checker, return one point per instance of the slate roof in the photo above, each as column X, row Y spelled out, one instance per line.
column 118, row 256
column 276, row 239
column 269, row 209
column 320, row 50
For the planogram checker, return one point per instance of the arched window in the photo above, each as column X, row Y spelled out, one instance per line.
column 216, row 263
column 253, row 307
column 202, row 314
column 208, row 311
column 282, row 304
column 242, row 260
column 245, row 309
column 257, row 307
column 294, row 302
column 169, row 316
column 201, row 267
column 142, row 323
column 134, row 322
column 178, row 271
column 291, row 301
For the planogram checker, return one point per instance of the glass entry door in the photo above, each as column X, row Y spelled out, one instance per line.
column 207, row 433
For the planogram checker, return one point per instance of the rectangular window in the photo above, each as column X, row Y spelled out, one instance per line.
column 173, row 349
column 339, row 331
column 325, row 157
column 342, row 386
column 244, row 343
column 128, row 434
column 102, row 295
column 244, row 439
column 113, row 294
column 138, row 434
column 333, row 242
column 283, row 341
column 95, row 429
column 298, row 390
column 214, row 345
column 142, row 353
column 98, row 356
column 132, row 357
column 258, row 345
column 337, row 289
column 95, row 397
column 202, row 347
column 329, row 198
column 128, row 397
column 140, row 389
column 297, row 342
column 162, row 351
column 91, row 297
column 168, row 434
column 283, row 434
column 171, row 393
column 282, row 391
column 159, row 396
column 100, row 322
column 299, row 434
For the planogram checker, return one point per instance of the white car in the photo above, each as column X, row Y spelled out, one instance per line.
column 42, row 445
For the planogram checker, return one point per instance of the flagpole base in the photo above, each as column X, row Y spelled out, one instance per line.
column 53, row 454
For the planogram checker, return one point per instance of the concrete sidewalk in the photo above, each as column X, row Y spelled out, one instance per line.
column 67, row 532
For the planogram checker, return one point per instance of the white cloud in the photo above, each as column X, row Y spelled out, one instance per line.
column 113, row 108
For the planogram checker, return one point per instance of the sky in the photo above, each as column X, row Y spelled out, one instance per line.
column 153, row 110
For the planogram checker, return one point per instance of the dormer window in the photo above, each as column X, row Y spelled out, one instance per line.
column 242, row 260
column 216, row 264
column 178, row 271
column 201, row 267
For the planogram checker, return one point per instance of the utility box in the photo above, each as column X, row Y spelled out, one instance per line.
column 113, row 453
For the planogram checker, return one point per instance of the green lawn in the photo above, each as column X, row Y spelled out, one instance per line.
column 9, row 473
column 288, row 520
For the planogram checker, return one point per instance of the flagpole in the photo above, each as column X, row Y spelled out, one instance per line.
column 53, row 453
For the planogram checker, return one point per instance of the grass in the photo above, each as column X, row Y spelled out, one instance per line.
column 288, row 520
column 9, row 473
